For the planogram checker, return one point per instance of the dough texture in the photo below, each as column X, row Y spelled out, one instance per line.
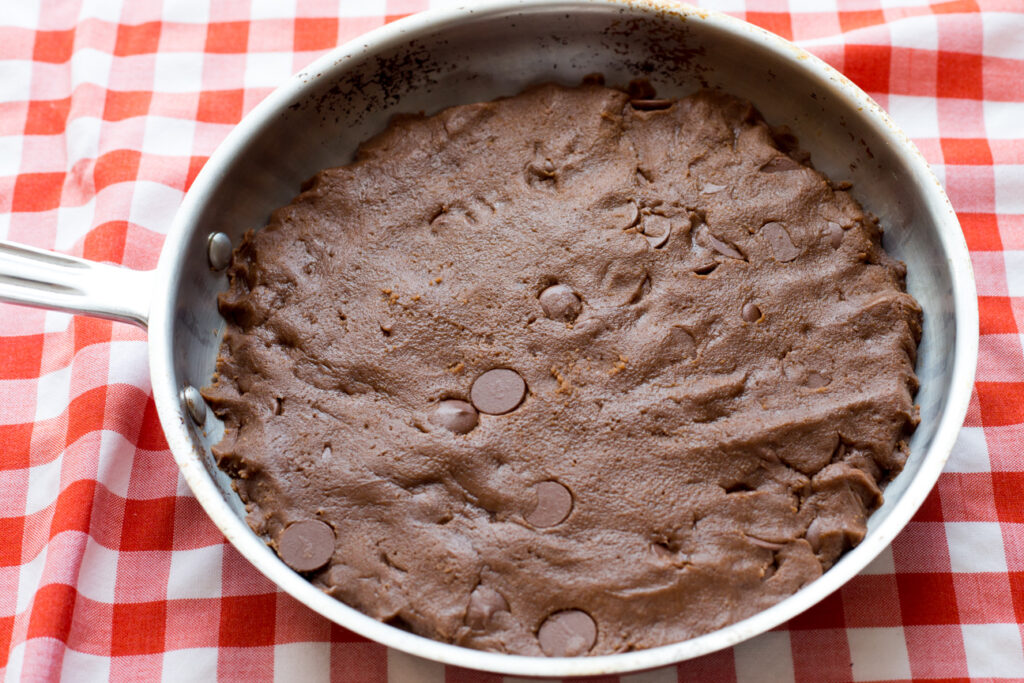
column 717, row 381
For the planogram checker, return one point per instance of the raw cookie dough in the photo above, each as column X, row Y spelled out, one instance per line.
column 566, row 375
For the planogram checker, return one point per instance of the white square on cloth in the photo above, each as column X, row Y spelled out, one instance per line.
column 178, row 72
column 186, row 11
column 154, row 205
column 768, row 657
column 81, row 666
column 993, row 650
column 306, row 662
column 1009, row 192
column 917, row 116
column 97, row 573
column 970, row 452
column 975, row 547
column 1003, row 120
column 920, row 32
column 195, row 574
column 194, row 664
column 10, row 154
column 1014, row 264
column 1001, row 35
column 878, row 653
column 272, row 9
column 267, row 69
column 168, row 136
column 403, row 667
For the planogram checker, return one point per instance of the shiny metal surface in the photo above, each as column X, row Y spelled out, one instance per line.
column 218, row 251
column 37, row 277
column 494, row 48
column 194, row 404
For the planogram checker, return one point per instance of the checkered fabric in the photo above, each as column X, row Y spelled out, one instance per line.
column 108, row 566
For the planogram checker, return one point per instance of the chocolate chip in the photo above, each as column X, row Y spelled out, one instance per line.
column 498, row 391
column 723, row 248
column 641, row 89
column 751, row 313
column 624, row 216
column 307, row 545
column 816, row 380
column 454, row 415
column 780, row 165
column 559, row 302
column 554, row 503
column 814, row 533
column 782, row 246
column 569, row 633
column 484, row 603
column 762, row 543
column 649, row 105
column 835, row 234
column 657, row 230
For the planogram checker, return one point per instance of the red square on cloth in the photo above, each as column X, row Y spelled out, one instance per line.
column 138, row 628
column 220, row 106
column 116, row 167
column 148, row 524
column 47, row 117
column 53, row 46
column 227, row 37
column 137, row 39
column 12, row 530
column 120, row 105
column 868, row 66
column 1002, row 403
column 247, row 620
column 960, row 75
column 37, row 191
column 961, row 151
column 778, row 23
column 927, row 599
column 316, row 34
column 981, row 231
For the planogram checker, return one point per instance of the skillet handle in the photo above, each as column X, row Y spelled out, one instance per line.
column 46, row 279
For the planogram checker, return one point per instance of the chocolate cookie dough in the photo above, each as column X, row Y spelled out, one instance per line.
column 566, row 374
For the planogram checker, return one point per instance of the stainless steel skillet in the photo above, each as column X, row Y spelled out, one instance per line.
column 451, row 56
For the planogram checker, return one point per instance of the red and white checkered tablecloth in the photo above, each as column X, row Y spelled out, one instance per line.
column 108, row 566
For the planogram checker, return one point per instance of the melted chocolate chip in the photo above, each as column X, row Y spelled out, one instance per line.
column 781, row 244
column 569, row 633
column 624, row 216
column 554, row 503
column 780, row 165
column 816, row 380
column 307, row 545
column 454, row 415
column 723, row 248
column 751, row 313
column 835, row 234
column 649, row 105
column 484, row 603
column 498, row 391
column 559, row 302
column 762, row 543
column 657, row 230
column 641, row 89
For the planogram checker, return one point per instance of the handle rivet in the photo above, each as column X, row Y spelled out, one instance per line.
column 219, row 250
column 194, row 404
